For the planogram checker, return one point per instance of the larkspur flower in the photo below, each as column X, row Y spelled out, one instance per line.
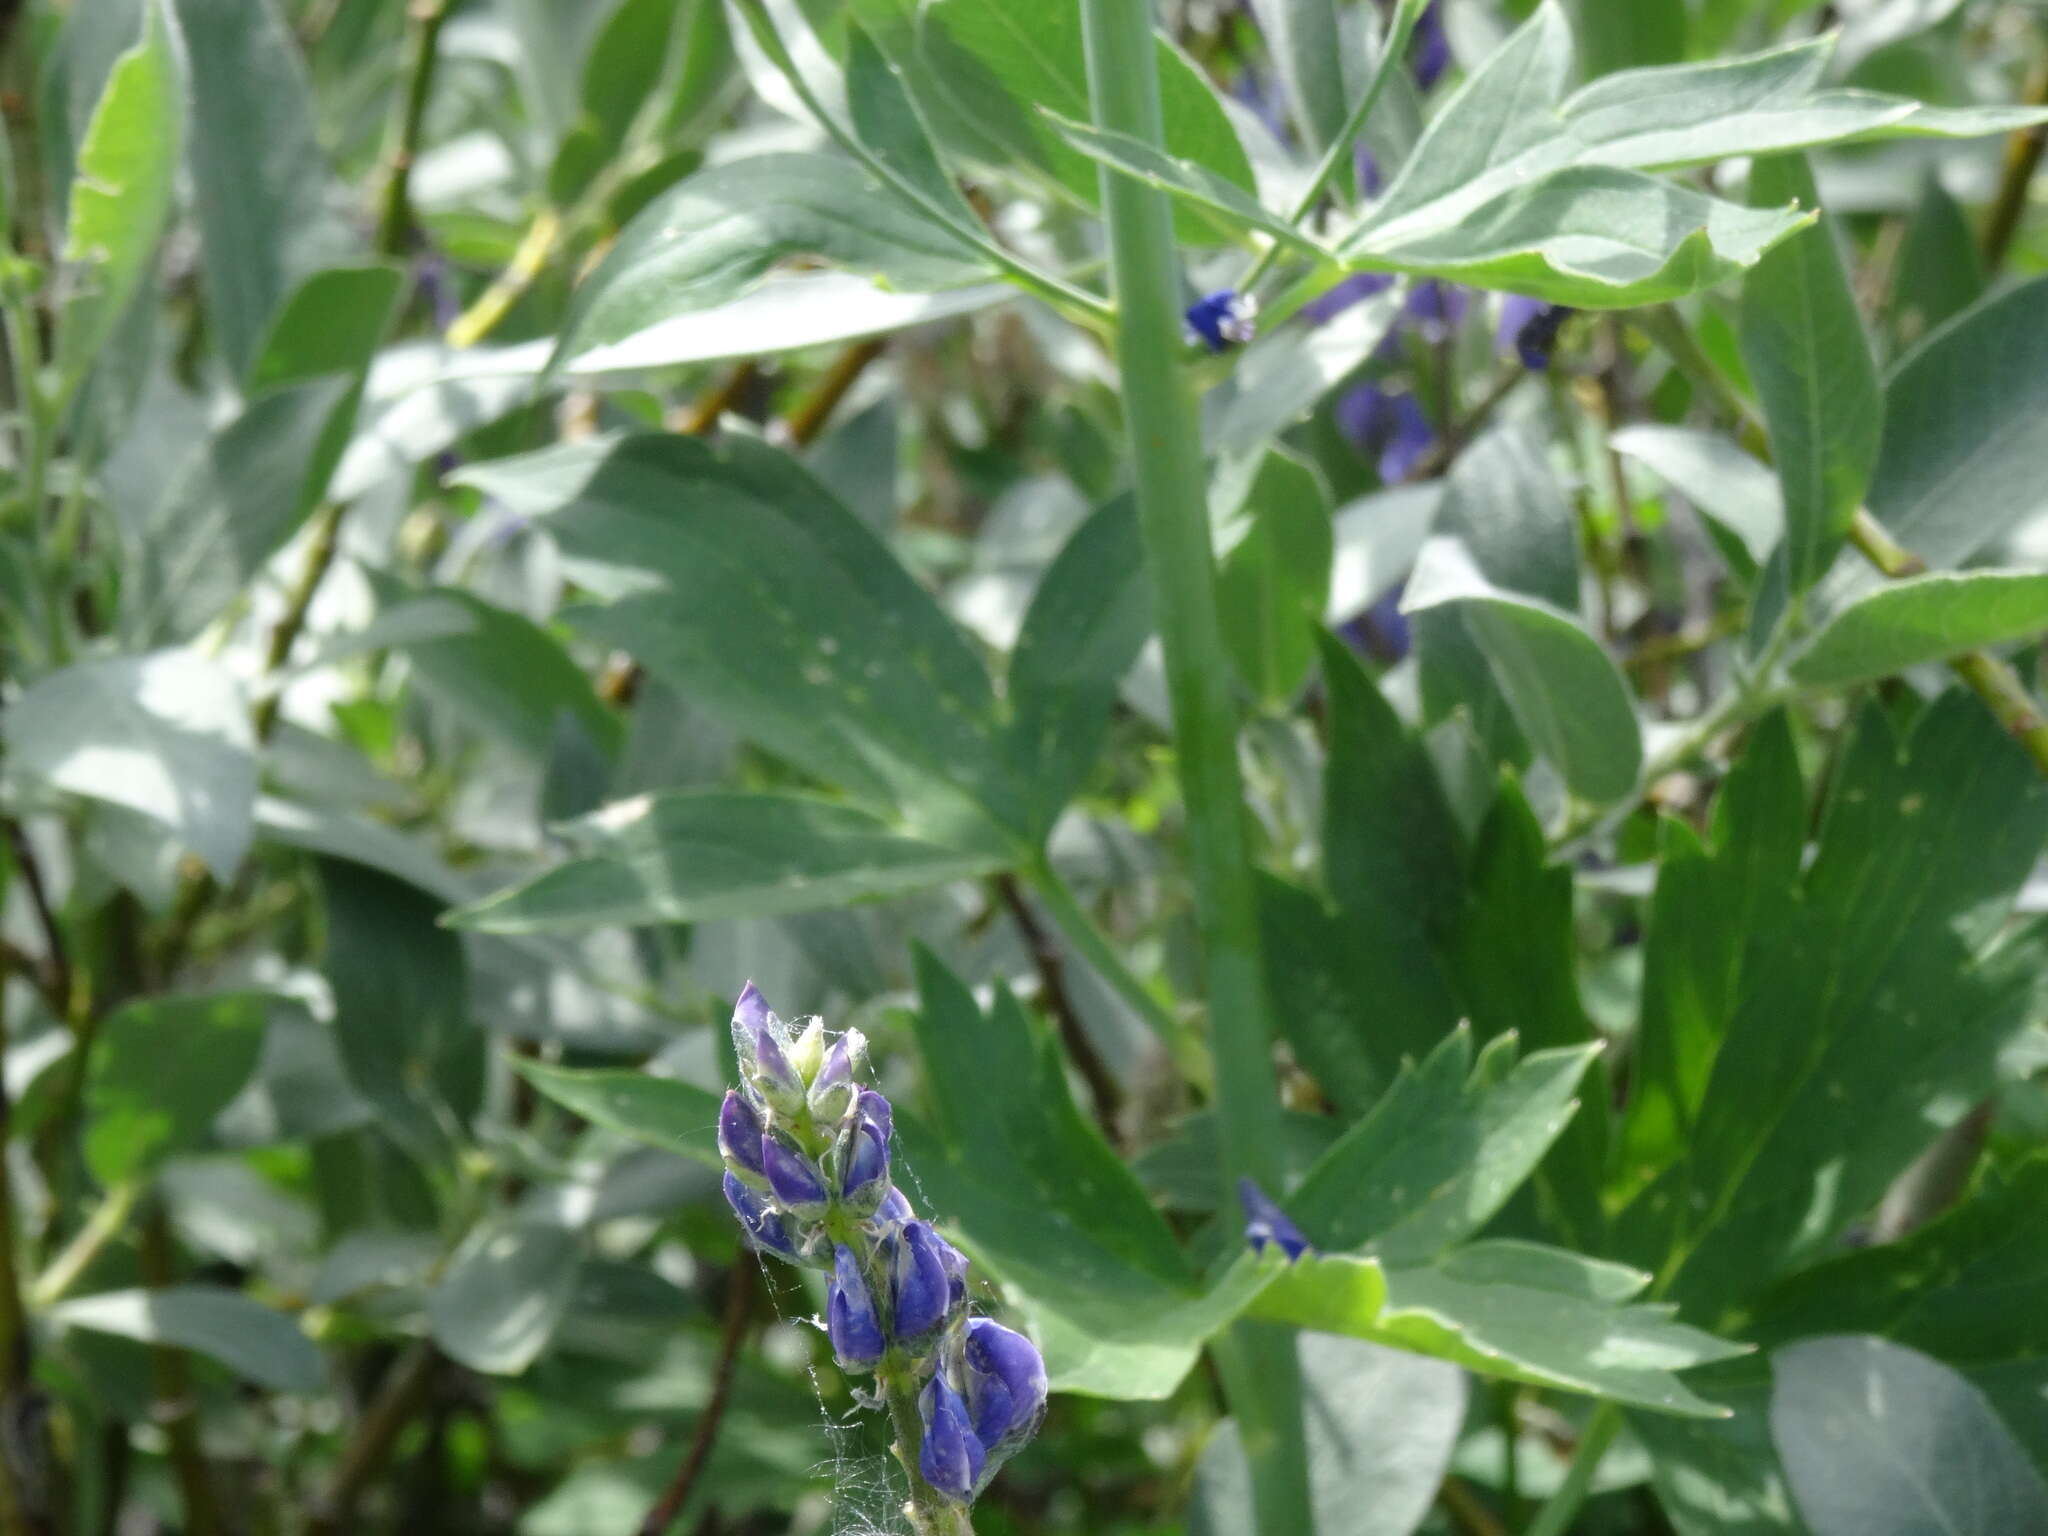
column 1265, row 1222
column 850, row 1319
column 952, row 1457
column 806, row 1149
column 1222, row 320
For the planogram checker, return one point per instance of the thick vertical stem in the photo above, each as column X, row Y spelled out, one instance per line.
column 1260, row 1371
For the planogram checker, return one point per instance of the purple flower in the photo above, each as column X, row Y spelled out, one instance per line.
column 761, row 1223
column 764, row 1066
column 1435, row 308
column 799, row 1187
column 1388, row 426
column 1355, row 289
column 1429, row 51
column 850, row 1320
column 1528, row 328
column 864, row 1171
column 922, row 1290
column 1005, row 1382
column 1222, row 319
column 952, row 1458
column 1265, row 1222
column 875, row 1109
column 894, row 1209
column 739, row 1139
column 833, row 1090
column 1383, row 631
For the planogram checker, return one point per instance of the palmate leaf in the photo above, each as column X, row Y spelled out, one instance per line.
column 1515, row 1311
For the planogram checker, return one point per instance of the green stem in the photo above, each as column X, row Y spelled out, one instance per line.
column 1261, row 1372
column 930, row 1515
column 1562, row 1507
column 395, row 223
column 1399, row 30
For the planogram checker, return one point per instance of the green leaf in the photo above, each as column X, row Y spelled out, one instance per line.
column 504, row 674
column 401, row 1006
column 506, row 1291
column 1730, row 488
column 161, row 1071
column 1799, row 1132
column 1087, row 622
column 995, row 67
column 262, row 189
column 688, row 856
column 1708, row 900
column 1927, row 618
column 849, row 670
column 1878, row 1440
column 1274, row 577
column 664, row 1112
column 1186, row 179
column 166, row 735
column 1045, row 1205
column 887, row 123
column 786, row 312
column 1308, row 51
column 330, row 325
column 1940, row 271
column 1379, row 1428
column 1514, row 1311
column 1803, row 343
column 250, row 1339
column 1720, row 1477
column 1442, row 1151
column 1966, row 430
column 120, row 197
column 1621, row 34
column 1565, row 691
column 715, row 235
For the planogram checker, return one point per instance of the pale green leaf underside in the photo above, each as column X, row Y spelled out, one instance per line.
column 688, row 857
column 1928, row 618
column 247, row 1337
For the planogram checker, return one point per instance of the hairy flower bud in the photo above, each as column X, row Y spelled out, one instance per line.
column 952, row 1458
column 807, row 1051
column 1005, row 1384
column 739, row 1140
column 850, row 1320
column 1265, row 1222
column 764, row 1064
column 921, row 1289
column 760, row 1221
column 799, row 1186
column 833, row 1089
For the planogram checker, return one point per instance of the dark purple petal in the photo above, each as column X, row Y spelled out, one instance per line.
column 866, row 1173
column 739, row 1136
column 797, row 1183
column 922, row 1290
column 762, row 1224
column 1435, row 308
column 1221, row 320
column 850, row 1320
column 1408, row 443
column 1265, row 1222
column 1366, row 167
column 894, row 1209
column 952, row 1458
column 876, row 1111
column 1536, row 337
column 1429, row 51
column 764, row 1066
column 1005, row 1382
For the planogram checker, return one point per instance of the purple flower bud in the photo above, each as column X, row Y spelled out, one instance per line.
column 894, row 1209
column 833, row 1090
column 1528, row 328
column 761, row 1222
column 952, row 1457
column 764, row 1065
column 1365, row 166
column 1265, row 1222
column 875, row 1110
column 850, row 1320
column 1429, row 51
column 799, row 1187
column 1390, row 426
column 739, row 1140
column 864, row 1169
column 1005, row 1382
column 922, row 1291
column 1355, row 289
column 1222, row 319
column 954, row 1262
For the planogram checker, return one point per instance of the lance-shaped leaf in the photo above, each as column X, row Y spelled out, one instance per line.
column 664, row 1112
column 1927, row 618
column 691, row 857
column 1510, row 1310
column 1737, row 495
column 250, row 1339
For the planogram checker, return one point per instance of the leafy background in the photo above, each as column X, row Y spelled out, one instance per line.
column 520, row 515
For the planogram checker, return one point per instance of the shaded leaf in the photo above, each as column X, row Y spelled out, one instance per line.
column 161, row 1071
column 250, row 1339
column 505, row 1293
column 664, row 1112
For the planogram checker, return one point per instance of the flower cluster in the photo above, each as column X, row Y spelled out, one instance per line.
column 806, row 1150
